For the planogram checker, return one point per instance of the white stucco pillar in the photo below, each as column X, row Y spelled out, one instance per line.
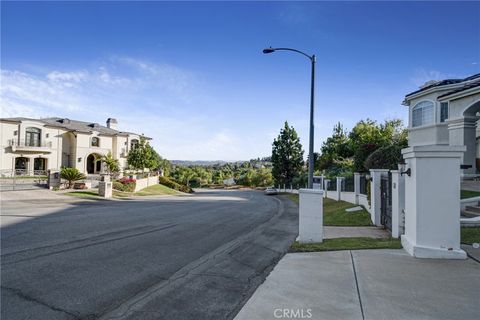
column 376, row 196
column 325, row 188
column 462, row 132
column 398, row 203
column 356, row 186
column 310, row 224
column 432, row 201
column 339, row 188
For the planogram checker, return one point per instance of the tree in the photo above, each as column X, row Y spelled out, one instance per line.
column 287, row 156
column 71, row 175
column 335, row 149
column 386, row 157
column 143, row 156
column 111, row 164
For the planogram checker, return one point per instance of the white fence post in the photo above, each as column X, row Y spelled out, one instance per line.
column 398, row 203
column 310, row 224
column 356, row 186
column 326, row 182
column 376, row 196
column 339, row 188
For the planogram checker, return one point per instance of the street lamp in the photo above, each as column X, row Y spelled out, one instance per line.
column 312, row 97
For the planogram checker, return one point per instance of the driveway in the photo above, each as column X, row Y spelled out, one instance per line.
column 191, row 257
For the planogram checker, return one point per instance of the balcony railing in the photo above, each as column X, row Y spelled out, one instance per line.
column 30, row 143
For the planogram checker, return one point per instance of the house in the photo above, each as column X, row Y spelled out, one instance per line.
column 31, row 146
column 446, row 112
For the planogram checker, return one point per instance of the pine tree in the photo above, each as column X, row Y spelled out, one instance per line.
column 287, row 156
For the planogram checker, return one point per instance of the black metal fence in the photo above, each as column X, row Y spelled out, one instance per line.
column 332, row 185
column 348, row 184
column 363, row 185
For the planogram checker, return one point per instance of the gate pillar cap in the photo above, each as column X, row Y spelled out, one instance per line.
column 316, row 191
column 433, row 151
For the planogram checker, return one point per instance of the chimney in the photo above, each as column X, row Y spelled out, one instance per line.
column 112, row 123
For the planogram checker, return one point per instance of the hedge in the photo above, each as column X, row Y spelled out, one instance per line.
column 174, row 185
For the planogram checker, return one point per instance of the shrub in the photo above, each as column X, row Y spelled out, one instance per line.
column 125, row 184
column 386, row 157
column 174, row 185
column 71, row 175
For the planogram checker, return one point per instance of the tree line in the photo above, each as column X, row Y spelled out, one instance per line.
column 367, row 145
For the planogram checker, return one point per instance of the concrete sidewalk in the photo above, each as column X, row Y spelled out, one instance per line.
column 367, row 284
column 349, row 232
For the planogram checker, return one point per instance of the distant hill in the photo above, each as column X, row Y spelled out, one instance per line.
column 205, row 163
column 199, row 162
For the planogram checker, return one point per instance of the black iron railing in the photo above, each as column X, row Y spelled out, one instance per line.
column 30, row 143
column 348, row 184
column 363, row 185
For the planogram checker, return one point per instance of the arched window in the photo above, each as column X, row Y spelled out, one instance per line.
column 422, row 114
column 95, row 142
column 33, row 137
column 133, row 144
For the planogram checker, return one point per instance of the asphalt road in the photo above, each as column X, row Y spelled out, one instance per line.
column 193, row 257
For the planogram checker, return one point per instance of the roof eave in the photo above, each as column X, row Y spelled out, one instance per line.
column 460, row 94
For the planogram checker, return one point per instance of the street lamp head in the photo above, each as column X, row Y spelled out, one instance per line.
column 268, row 50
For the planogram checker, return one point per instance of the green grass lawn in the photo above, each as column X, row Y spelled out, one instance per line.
column 84, row 194
column 334, row 213
column 347, row 244
column 470, row 235
column 465, row 194
column 156, row 190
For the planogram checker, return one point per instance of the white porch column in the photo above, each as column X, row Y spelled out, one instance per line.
column 398, row 203
column 432, row 201
column 310, row 224
column 462, row 132
column 356, row 186
column 339, row 188
column 376, row 196
column 325, row 182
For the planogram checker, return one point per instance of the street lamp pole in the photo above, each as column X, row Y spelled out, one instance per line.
column 313, row 60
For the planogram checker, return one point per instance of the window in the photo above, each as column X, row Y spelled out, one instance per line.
column 443, row 111
column 32, row 137
column 95, row 142
column 133, row 144
column 422, row 114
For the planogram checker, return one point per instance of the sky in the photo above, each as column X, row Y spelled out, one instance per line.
column 192, row 75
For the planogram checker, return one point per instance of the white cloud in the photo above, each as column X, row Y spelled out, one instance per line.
column 421, row 76
column 145, row 97
column 67, row 76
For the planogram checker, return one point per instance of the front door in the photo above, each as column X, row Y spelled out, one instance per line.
column 39, row 164
column 21, row 165
column 91, row 164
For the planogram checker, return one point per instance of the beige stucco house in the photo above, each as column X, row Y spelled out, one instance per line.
column 31, row 146
column 447, row 112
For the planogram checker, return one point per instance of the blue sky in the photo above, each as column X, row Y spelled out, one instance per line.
column 192, row 75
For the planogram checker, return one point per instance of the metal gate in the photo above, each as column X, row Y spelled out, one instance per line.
column 386, row 201
column 12, row 180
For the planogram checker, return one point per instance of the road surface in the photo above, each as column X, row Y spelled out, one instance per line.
column 190, row 257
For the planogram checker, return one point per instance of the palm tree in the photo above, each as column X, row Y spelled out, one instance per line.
column 71, row 175
column 111, row 164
